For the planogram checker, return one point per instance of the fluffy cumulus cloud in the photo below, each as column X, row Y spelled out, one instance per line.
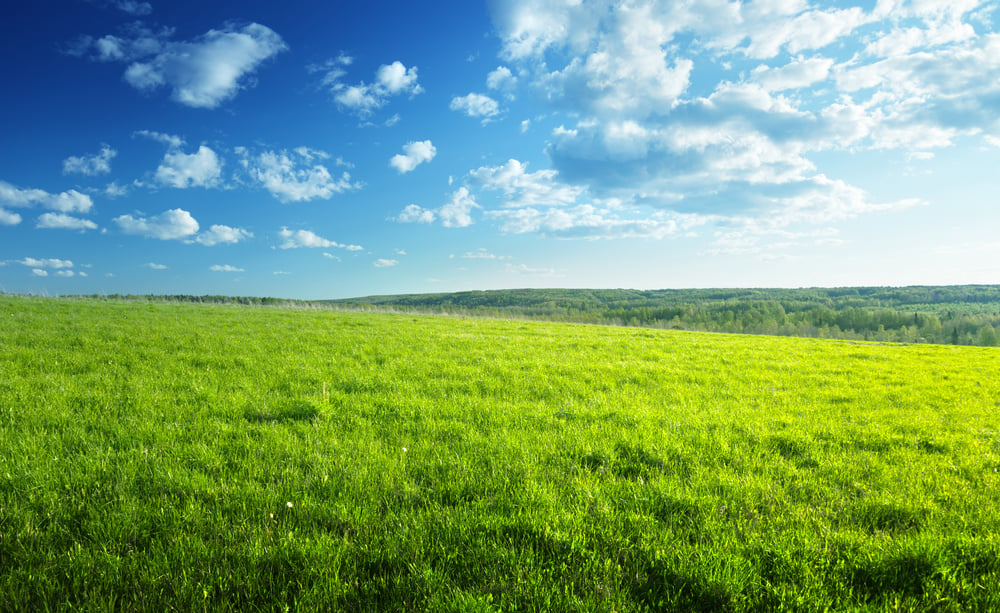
column 476, row 105
column 521, row 188
column 203, row 168
column 413, row 213
column 9, row 219
column 222, row 235
column 502, row 80
column 647, row 149
column 90, row 165
column 456, row 213
column 414, row 154
column 202, row 73
column 43, row 267
column 174, row 224
column 11, row 196
column 295, row 176
column 61, row 221
column 46, row 263
column 297, row 239
column 364, row 98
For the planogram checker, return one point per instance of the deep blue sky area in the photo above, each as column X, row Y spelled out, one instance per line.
column 312, row 149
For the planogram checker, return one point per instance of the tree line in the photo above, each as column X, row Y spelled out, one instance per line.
column 957, row 314
column 963, row 315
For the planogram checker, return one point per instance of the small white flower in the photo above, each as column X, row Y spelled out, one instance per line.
column 288, row 504
column 404, row 449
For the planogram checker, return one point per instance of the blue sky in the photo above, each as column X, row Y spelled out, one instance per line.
column 314, row 149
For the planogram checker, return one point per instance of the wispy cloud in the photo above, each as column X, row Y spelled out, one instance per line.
column 91, row 165
column 222, row 235
column 483, row 254
column 385, row 263
column 225, row 268
column 170, row 140
column 201, row 73
column 134, row 7
column 297, row 239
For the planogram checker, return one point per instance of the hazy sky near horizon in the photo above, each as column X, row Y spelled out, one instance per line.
column 315, row 149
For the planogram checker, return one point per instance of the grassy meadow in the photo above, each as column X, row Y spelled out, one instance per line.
column 161, row 457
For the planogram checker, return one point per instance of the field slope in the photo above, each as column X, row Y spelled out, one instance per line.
column 160, row 456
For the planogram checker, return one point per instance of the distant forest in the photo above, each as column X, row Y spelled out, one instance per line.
column 956, row 314
column 960, row 315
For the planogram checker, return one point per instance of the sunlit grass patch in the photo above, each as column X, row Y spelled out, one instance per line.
column 158, row 456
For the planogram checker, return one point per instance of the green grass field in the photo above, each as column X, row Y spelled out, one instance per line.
column 180, row 457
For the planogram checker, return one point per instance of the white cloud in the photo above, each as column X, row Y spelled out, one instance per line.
column 136, row 41
column 46, row 263
column 155, row 266
column 218, row 235
column 476, row 105
column 170, row 140
column 503, row 80
column 38, row 272
column 646, row 150
column 585, row 221
column 521, row 188
column 133, row 7
column 794, row 75
column 170, row 225
column 225, row 268
column 385, row 263
column 64, row 222
column 414, row 154
column 70, row 201
column 182, row 170
column 416, row 214
column 113, row 190
column 92, row 165
column 396, row 78
column 525, row 270
column 9, row 219
column 201, row 73
column 457, row 213
column 296, row 239
column 294, row 176
column 483, row 254
column 364, row 98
